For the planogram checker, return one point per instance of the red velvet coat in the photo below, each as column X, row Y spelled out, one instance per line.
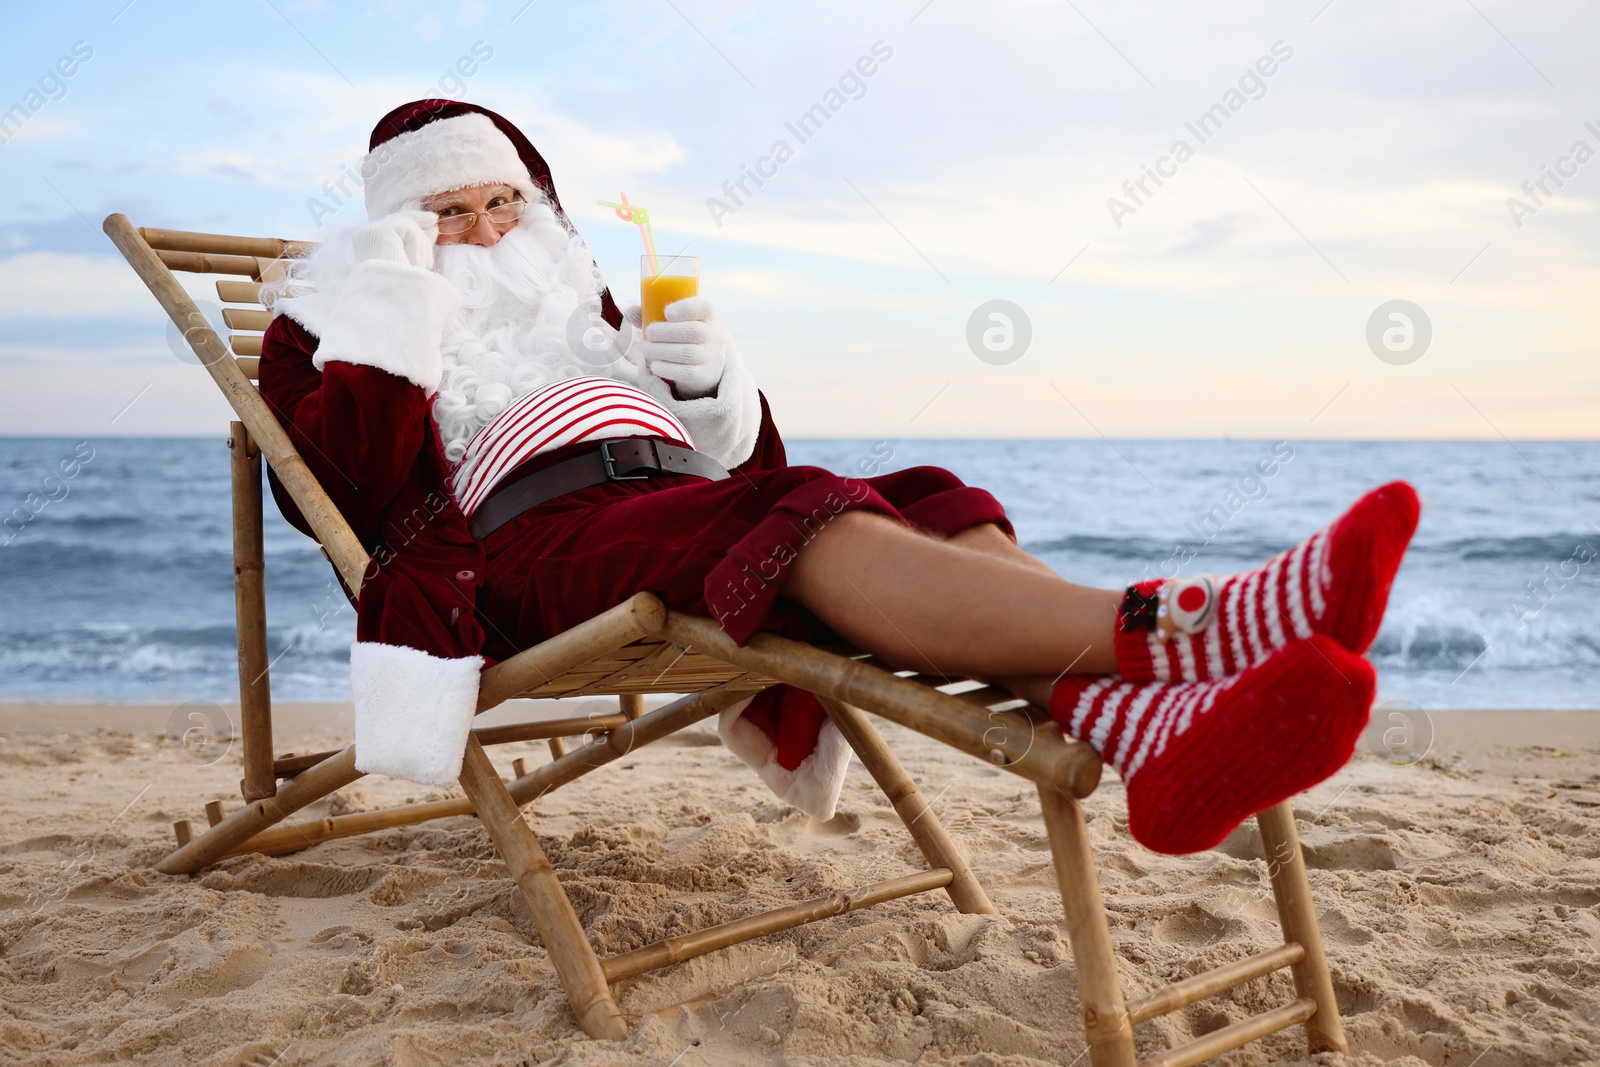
column 368, row 437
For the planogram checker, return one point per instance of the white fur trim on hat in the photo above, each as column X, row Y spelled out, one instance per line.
column 413, row 711
column 814, row 786
column 447, row 154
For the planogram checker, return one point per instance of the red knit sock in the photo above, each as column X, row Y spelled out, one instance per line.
column 1336, row 583
column 1198, row 758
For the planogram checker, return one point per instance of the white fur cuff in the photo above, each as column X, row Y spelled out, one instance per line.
column 390, row 316
column 444, row 155
column 413, row 711
column 814, row 786
column 723, row 426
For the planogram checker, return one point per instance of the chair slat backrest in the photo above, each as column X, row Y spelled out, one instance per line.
column 258, row 259
column 154, row 265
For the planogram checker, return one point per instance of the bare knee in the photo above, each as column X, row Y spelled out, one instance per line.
column 991, row 540
column 850, row 531
column 985, row 535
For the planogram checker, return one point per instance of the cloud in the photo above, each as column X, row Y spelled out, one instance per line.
column 164, row 398
column 66, row 233
column 1387, row 147
column 30, row 334
column 1209, row 233
column 72, row 285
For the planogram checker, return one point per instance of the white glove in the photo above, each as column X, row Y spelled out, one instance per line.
column 690, row 349
column 393, row 309
column 404, row 237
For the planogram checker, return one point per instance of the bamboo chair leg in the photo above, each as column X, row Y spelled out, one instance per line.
column 1298, row 916
column 558, row 748
column 331, row 774
column 929, row 833
column 632, row 704
column 1106, row 1024
column 570, row 952
column 250, row 612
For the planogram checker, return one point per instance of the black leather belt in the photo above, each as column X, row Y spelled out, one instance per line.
column 622, row 459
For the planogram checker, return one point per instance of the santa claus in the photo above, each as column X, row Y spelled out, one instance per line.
column 518, row 456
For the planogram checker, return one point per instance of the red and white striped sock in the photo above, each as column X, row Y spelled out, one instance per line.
column 1336, row 583
column 1198, row 758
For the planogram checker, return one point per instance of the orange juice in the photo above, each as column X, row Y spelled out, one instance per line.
column 655, row 293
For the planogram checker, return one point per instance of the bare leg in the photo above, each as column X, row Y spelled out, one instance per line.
column 941, row 607
column 991, row 540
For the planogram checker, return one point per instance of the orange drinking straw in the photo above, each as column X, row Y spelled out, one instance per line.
column 641, row 215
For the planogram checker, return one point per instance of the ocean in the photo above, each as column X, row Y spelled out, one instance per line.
column 116, row 576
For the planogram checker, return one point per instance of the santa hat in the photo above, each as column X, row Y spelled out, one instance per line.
column 429, row 147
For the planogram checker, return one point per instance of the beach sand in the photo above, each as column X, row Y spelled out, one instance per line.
column 1458, row 896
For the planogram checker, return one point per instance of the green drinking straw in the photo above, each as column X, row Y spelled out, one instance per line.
column 641, row 216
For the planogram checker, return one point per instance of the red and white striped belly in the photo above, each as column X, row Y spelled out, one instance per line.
column 561, row 414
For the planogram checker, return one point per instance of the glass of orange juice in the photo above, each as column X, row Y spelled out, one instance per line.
column 663, row 280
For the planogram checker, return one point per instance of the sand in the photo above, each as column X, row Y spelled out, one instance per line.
column 1458, row 896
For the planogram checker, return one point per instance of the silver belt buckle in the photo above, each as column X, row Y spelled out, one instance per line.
column 611, row 466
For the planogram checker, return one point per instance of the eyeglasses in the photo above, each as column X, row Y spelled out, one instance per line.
column 500, row 215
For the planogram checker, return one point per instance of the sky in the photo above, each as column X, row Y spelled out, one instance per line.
column 1314, row 162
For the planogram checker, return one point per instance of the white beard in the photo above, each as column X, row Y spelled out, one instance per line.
column 529, row 305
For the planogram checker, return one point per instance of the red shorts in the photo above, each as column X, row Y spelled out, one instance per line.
column 721, row 549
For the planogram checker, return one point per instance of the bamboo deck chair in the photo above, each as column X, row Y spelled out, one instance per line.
column 637, row 648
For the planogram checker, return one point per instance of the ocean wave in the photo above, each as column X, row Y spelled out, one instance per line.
column 1535, row 549
column 156, row 555
column 1249, row 549
column 1131, row 549
column 1428, row 633
column 81, row 660
column 119, row 648
column 324, row 640
column 53, row 523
